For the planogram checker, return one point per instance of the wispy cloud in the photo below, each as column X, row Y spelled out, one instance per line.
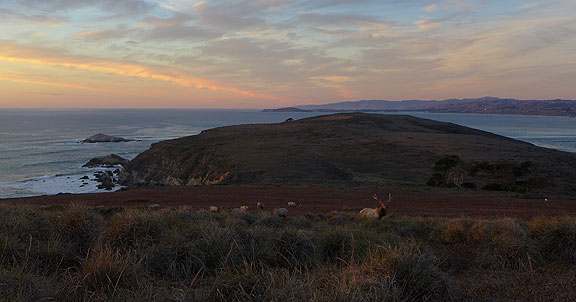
column 294, row 51
column 432, row 8
column 427, row 24
column 29, row 80
column 115, row 7
column 10, row 52
column 7, row 15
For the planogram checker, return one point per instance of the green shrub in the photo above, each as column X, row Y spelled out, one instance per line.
column 504, row 243
column 410, row 227
column 186, row 255
column 413, row 274
column 175, row 257
column 335, row 245
column 456, row 230
column 555, row 238
column 417, row 275
column 77, row 225
column 133, row 229
column 107, row 270
column 271, row 221
column 293, row 248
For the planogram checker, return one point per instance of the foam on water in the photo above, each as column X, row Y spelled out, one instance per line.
column 55, row 184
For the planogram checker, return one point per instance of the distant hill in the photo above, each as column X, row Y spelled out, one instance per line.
column 374, row 105
column 491, row 105
column 352, row 148
column 286, row 109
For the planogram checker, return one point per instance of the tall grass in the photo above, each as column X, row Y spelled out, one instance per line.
column 76, row 253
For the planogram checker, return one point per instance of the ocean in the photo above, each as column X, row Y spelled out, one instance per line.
column 41, row 151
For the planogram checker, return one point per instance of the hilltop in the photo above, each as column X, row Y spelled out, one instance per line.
column 350, row 149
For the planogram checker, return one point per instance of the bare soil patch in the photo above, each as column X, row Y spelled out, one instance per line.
column 322, row 199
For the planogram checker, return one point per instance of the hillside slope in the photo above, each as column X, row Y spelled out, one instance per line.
column 350, row 148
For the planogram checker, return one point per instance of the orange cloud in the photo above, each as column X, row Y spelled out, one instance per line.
column 48, row 83
column 10, row 52
column 427, row 25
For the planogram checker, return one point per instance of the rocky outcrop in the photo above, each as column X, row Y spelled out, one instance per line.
column 106, row 180
column 108, row 161
column 103, row 138
column 350, row 149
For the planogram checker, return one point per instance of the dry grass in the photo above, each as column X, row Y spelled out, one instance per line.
column 76, row 253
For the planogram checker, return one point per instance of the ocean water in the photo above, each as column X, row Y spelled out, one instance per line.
column 41, row 153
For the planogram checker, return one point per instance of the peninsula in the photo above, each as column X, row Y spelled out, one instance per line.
column 485, row 105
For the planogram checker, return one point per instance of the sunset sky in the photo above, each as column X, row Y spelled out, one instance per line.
column 274, row 53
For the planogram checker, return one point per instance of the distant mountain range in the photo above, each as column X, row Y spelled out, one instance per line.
column 490, row 105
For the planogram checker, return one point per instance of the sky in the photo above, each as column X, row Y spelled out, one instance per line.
column 275, row 53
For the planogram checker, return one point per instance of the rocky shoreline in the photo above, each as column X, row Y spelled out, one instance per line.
column 107, row 180
column 108, row 161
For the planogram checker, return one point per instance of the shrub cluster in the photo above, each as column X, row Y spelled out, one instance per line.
column 76, row 253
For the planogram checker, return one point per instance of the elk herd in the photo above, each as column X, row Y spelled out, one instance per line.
column 377, row 213
column 280, row 212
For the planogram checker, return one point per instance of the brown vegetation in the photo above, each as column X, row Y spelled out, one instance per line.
column 344, row 149
column 77, row 253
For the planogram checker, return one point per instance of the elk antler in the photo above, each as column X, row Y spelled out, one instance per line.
column 377, row 199
column 389, row 198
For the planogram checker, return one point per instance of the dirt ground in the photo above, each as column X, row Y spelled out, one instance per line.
column 417, row 202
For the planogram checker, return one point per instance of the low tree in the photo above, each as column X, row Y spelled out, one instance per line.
column 449, row 172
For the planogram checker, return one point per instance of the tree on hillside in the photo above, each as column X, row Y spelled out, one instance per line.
column 449, row 172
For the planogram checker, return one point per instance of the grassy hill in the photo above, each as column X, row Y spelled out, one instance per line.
column 353, row 148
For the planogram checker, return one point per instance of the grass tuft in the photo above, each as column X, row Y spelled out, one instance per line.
column 77, row 253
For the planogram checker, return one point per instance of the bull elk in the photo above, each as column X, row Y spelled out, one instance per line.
column 376, row 212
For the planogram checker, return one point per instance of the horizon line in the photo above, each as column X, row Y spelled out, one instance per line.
column 262, row 108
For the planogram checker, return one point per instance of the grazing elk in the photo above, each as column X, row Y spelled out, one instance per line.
column 215, row 209
column 281, row 212
column 376, row 212
column 241, row 209
column 292, row 204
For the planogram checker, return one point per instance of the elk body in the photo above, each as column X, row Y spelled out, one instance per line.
column 242, row 209
column 214, row 209
column 281, row 212
column 379, row 212
column 260, row 206
column 292, row 204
